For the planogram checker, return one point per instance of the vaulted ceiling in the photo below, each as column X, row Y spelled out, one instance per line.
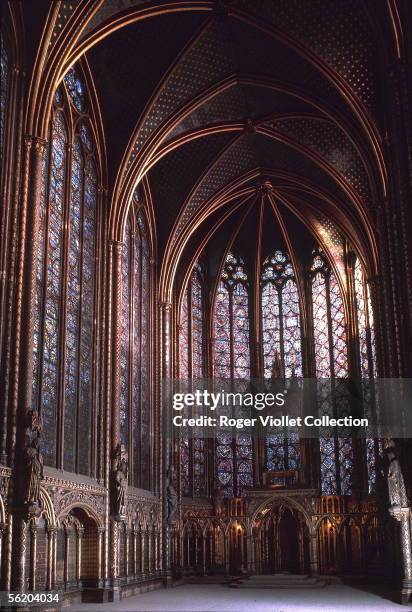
column 206, row 101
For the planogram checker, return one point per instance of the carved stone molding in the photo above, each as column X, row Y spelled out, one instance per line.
column 63, row 499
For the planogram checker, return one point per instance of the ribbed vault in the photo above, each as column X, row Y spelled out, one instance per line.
column 223, row 96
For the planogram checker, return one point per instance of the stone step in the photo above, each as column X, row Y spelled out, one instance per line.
column 279, row 581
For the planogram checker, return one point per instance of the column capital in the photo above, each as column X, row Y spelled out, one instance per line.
column 38, row 144
column 165, row 306
column 399, row 513
column 116, row 246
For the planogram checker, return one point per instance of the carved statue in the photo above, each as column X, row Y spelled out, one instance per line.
column 34, row 471
column 396, row 483
column 277, row 367
column 277, row 377
column 120, row 474
column 172, row 498
column 218, row 502
column 33, row 463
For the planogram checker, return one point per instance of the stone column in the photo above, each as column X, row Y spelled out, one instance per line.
column 249, row 554
column 313, row 552
column 134, row 551
column 33, row 554
column 114, row 556
column 67, row 532
column 30, row 220
column 116, row 285
column 100, row 533
column 227, row 557
column 204, row 536
column 126, row 552
column 80, row 533
column 142, row 552
column 3, row 529
column 167, row 459
column 149, row 551
column 403, row 515
column 24, row 333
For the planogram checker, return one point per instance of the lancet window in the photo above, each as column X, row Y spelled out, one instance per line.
column 67, row 268
column 234, row 462
column 135, row 349
column 191, row 366
column 282, row 349
column 331, row 360
column 367, row 357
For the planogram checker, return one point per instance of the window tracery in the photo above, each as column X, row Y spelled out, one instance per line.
column 233, row 456
column 135, row 346
column 367, row 357
column 65, row 304
column 280, row 315
column 191, row 366
column 331, row 361
column 281, row 339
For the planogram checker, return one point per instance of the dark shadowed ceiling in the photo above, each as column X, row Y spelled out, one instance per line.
column 213, row 100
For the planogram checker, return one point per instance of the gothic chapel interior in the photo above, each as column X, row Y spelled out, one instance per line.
column 196, row 189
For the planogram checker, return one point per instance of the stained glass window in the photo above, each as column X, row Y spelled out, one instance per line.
column 233, row 456
column 231, row 322
column 331, row 360
column 64, row 359
column 135, row 346
column 191, row 366
column 280, row 316
column 75, row 88
column 125, row 351
column 281, row 337
column 367, row 356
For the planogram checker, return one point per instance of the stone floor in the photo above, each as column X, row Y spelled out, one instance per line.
column 221, row 598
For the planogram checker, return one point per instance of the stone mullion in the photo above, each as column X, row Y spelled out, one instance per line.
column 332, row 381
column 208, row 373
column 80, row 311
column 60, row 407
column 311, row 458
column 96, row 466
column 256, row 345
